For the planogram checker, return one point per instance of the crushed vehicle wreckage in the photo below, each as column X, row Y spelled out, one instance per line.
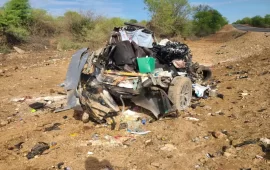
column 132, row 68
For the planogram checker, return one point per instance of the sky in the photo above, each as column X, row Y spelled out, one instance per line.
column 135, row 9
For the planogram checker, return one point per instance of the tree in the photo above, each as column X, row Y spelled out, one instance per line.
column 246, row 20
column 16, row 12
column 202, row 7
column 168, row 16
column 208, row 22
column 15, row 16
column 133, row 21
column 143, row 23
column 258, row 21
column 78, row 24
column 267, row 20
column 41, row 23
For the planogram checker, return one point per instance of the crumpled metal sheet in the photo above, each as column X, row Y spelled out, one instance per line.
column 147, row 103
column 73, row 77
column 75, row 68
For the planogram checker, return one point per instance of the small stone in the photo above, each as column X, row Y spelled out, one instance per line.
column 197, row 166
column 59, row 165
column 219, row 112
column 148, row 142
column 207, row 107
column 170, row 156
column 202, row 105
column 52, row 91
column 259, row 157
column 196, row 139
column 168, row 147
column 16, row 68
column 202, row 160
column 218, row 135
column 10, row 119
column 18, row 50
column 162, row 138
column 3, row 123
column 227, row 154
column 155, row 164
column 229, row 67
column 85, row 117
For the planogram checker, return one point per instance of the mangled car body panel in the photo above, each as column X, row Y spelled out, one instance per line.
column 131, row 69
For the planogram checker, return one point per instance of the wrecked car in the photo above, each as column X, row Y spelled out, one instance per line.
column 132, row 68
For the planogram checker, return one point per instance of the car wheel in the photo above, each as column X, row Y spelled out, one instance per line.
column 180, row 92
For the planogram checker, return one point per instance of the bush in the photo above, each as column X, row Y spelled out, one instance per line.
column 16, row 34
column 100, row 34
column 67, row 44
column 258, row 21
column 42, row 24
column 267, row 20
column 4, row 48
column 78, row 24
column 208, row 22
column 14, row 16
column 168, row 16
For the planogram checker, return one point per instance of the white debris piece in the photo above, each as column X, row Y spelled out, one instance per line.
column 168, row 147
column 18, row 50
column 265, row 140
column 192, row 119
column 164, row 42
column 199, row 89
column 90, row 153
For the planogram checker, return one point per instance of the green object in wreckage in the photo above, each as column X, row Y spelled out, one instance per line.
column 33, row 110
column 146, row 64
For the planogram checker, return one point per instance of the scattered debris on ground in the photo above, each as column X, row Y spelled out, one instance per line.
column 232, row 131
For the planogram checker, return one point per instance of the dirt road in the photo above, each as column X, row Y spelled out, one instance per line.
column 227, row 135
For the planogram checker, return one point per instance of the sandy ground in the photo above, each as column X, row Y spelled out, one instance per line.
column 210, row 143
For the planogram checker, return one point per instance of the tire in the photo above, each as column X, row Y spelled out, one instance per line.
column 180, row 92
column 204, row 73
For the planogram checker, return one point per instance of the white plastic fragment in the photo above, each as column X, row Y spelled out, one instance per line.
column 265, row 140
column 192, row 119
column 90, row 153
column 140, row 133
column 199, row 89
column 164, row 42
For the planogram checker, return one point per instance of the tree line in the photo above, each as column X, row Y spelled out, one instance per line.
column 256, row 21
column 19, row 22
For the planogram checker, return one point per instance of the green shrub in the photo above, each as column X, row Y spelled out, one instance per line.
column 16, row 33
column 14, row 18
column 258, row 21
column 246, row 20
column 208, row 22
column 168, row 16
column 100, row 34
column 78, row 24
column 267, row 20
column 67, row 44
column 4, row 48
column 42, row 24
